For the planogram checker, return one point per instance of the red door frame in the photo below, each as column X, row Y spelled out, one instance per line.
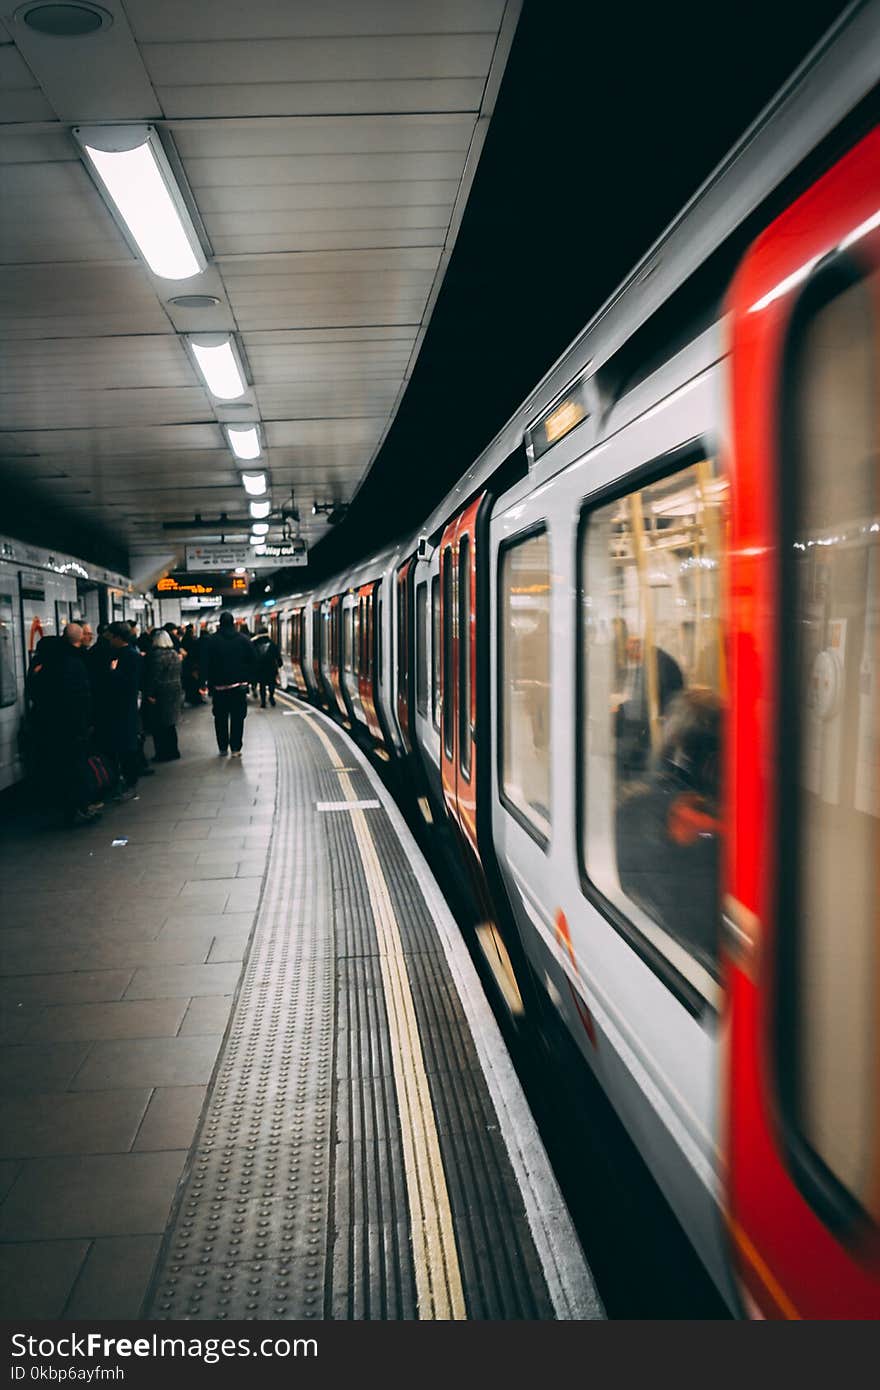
column 460, row 788
column 789, row 1261
column 296, row 649
column 403, row 619
column 367, row 673
column 334, row 620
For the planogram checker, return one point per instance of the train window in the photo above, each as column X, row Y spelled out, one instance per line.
column 325, row 620
column 422, row 650
column 448, row 624
column 653, row 684
column 831, row 734
column 524, row 681
column 8, row 686
column 465, row 733
column 435, row 650
column 348, row 638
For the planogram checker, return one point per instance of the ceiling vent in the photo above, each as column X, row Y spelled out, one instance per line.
column 72, row 20
column 195, row 301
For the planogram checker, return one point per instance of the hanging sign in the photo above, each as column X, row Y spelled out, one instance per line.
column 217, row 557
column 273, row 555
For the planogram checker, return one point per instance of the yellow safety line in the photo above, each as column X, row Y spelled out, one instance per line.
column 435, row 1255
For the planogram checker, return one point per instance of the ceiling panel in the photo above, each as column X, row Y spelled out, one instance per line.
column 244, row 171
column 291, row 198
column 154, row 20
column 30, row 147
column 108, row 442
column 23, row 410
column 314, row 241
column 327, row 146
column 78, row 363
column 258, row 62
column 329, row 136
column 319, row 98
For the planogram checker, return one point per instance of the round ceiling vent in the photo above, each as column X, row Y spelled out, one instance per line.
column 194, row 301
column 66, row 21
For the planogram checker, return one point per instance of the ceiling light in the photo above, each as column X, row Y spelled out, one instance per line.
column 254, row 484
column 260, row 509
column 260, row 528
column 244, row 442
column 215, row 359
column 132, row 169
column 239, row 569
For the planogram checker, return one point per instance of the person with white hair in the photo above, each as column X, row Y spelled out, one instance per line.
column 162, row 694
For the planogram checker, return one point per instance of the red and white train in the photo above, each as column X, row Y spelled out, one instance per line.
column 633, row 660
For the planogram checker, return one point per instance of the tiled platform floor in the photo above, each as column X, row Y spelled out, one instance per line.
column 117, row 972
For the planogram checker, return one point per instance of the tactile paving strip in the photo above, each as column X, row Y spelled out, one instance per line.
column 250, row 1237
column 294, row 1204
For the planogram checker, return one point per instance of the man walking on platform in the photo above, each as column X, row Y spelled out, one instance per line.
column 229, row 666
column 268, row 664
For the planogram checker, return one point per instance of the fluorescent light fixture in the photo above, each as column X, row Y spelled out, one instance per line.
column 244, row 441
column 254, row 484
column 260, row 528
column 132, row 169
column 216, row 360
column 260, row 509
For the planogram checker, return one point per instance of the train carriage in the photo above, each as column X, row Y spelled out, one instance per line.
column 634, row 656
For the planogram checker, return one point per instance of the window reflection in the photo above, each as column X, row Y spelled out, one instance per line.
column 655, row 683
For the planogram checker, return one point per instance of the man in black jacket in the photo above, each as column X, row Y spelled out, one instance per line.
column 228, row 669
column 268, row 663
column 60, row 702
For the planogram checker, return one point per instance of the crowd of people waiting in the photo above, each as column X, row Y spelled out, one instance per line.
column 93, row 703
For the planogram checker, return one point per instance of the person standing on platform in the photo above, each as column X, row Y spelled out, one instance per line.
column 190, row 673
column 268, row 664
column 60, row 700
column 229, row 666
column 162, row 693
column 117, row 734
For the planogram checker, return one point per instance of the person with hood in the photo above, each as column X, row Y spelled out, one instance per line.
column 162, row 694
column 268, row 663
column 229, row 666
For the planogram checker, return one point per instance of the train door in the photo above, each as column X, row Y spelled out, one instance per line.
column 403, row 651
column 801, row 917
column 427, row 654
column 367, row 597
column 296, row 649
column 315, row 638
column 332, row 654
column 458, row 602
column 349, row 617
column 11, row 680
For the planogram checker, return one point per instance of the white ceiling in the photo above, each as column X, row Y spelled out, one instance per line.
column 328, row 147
